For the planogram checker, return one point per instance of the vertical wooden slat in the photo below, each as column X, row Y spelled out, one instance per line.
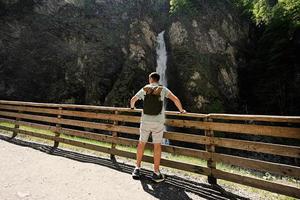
column 211, row 164
column 58, row 126
column 17, row 126
column 114, row 134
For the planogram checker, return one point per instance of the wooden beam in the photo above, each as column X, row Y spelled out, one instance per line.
column 257, row 183
column 274, row 131
column 83, row 114
column 184, row 137
column 260, row 147
column 77, row 123
column 264, row 118
column 187, row 123
column 265, row 166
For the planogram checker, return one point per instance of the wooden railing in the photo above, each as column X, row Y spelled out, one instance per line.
column 208, row 132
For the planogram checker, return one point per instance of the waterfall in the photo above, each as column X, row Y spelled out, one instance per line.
column 162, row 65
column 161, row 58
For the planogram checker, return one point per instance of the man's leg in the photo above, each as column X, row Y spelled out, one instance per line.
column 157, row 156
column 144, row 135
column 140, row 153
column 157, row 136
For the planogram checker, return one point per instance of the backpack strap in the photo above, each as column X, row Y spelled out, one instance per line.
column 153, row 90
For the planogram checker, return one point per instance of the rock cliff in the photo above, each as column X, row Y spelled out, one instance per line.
column 101, row 51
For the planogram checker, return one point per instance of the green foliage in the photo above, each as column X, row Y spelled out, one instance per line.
column 289, row 9
column 261, row 11
column 266, row 11
column 184, row 6
column 176, row 5
column 267, row 82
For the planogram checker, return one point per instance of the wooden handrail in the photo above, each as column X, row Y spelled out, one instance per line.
column 267, row 118
column 101, row 123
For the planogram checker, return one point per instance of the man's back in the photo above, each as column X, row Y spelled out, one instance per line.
column 153, row 103
column 141, row 94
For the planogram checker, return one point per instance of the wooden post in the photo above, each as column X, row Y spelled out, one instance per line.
column 211, row 149
column 58, row 126
column 17, row 126
column 114, row 134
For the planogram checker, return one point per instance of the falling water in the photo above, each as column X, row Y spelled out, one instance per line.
column 162, row 64
column 161, row 58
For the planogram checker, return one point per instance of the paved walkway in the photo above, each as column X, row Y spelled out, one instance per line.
column 32, row 171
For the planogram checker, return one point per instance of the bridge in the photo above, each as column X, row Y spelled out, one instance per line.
column 213, row 139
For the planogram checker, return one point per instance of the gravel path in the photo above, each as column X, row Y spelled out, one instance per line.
column 30, row 174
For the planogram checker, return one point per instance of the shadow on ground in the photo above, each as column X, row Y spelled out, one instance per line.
column 172, row 188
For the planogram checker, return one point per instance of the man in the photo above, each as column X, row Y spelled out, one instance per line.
column 152, row 121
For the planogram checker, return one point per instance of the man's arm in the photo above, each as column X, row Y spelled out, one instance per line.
column 176, row 102
column 132, row 101
column 139, row 95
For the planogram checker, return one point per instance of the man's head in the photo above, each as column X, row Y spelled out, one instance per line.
column 154, row 77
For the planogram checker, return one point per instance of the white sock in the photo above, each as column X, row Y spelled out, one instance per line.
column 157, row 173
column 137, row 167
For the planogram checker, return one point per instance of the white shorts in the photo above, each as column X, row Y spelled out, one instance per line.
column 155, row 128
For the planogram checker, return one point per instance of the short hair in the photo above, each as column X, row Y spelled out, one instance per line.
column 155, row 76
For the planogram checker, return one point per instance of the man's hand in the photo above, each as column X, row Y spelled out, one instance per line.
column 183, row 111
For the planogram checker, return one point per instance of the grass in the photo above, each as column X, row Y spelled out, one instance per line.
column 185, row 159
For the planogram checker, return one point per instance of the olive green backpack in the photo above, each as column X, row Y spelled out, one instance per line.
column 152, row 102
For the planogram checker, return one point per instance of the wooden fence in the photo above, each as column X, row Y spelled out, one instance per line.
column 119, row 126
